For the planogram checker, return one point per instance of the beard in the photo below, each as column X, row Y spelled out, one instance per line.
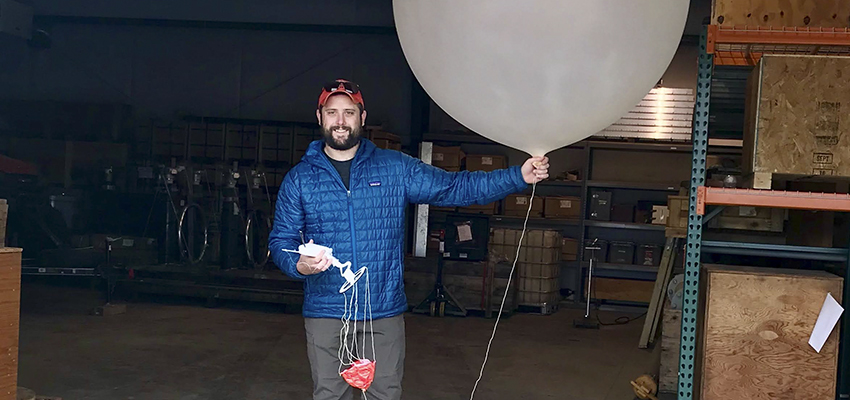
column 347, row 142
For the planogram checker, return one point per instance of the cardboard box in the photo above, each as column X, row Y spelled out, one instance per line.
column 484, row 162
column 447, row 157
column 795, row 119
column 517, row 205
column 562, row 207
column 569, row 249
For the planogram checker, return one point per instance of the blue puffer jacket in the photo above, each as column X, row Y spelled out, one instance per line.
column 366, row 224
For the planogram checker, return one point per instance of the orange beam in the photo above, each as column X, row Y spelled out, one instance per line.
column 737, row 58
column 771, row 198
column 777, row 35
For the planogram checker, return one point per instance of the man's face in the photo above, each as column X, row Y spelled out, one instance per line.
column 341, row 121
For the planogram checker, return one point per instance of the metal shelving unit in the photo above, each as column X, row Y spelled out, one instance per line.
column 743, row 46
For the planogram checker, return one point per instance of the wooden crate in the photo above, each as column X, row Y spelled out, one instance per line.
column 778, row 13
column 755, row 324
column 10, row 312
column 795, row 119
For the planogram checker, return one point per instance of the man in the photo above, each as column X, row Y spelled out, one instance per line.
column 351, row 196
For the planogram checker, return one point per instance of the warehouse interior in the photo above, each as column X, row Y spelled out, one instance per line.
column 697, row 248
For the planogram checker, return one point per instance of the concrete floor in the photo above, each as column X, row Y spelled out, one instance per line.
column 178, row 349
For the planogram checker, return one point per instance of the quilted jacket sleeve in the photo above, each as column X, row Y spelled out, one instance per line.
column 427, row 184
column 288, row 220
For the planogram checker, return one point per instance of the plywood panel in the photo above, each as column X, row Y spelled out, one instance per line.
column 812, row 13
column 754, row 337
column 10, row 300
column 796, row 117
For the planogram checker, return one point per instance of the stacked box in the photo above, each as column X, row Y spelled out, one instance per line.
column 384, row 140
column 447, row 158
column 485, row 162
column 562, row 207
column 538, row 264
column 517, row 205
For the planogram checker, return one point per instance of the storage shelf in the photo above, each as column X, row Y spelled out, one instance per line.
column 622, row 267
column 535, row 221
column 561, row 183
column 771, row 198
column 776, row 250
column 503, row 220
column 634, row 185
column 624, row 225
column 745, row 45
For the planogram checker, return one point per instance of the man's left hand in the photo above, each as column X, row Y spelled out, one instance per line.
column 535, row 169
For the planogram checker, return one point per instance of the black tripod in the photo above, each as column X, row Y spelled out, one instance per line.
column 440, row 296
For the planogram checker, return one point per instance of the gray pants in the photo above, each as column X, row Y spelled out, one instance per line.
column 323, row 342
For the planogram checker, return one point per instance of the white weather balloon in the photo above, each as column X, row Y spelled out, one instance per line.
column 537, row 75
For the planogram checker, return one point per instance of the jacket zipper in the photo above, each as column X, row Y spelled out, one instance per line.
column 350, row 207
column 351, row 225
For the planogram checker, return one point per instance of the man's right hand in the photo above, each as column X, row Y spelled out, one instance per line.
column 313, row 265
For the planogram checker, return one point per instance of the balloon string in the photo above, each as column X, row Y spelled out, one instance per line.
column 507, row 288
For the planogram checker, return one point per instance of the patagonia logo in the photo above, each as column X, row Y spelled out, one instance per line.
column 375, row 183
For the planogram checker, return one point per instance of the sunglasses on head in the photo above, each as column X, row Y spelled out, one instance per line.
column 347, row 86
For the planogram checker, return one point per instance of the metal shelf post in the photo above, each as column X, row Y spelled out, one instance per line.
column 687, row 344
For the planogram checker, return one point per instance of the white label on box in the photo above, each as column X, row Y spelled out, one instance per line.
column 437, row 156
column 521, row 201
column 566, row 204
column 486, row 160
column 127, row 242
column 746, row 211
column 464, row 233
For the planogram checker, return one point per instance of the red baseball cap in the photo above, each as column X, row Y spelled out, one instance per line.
column 341, row 86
